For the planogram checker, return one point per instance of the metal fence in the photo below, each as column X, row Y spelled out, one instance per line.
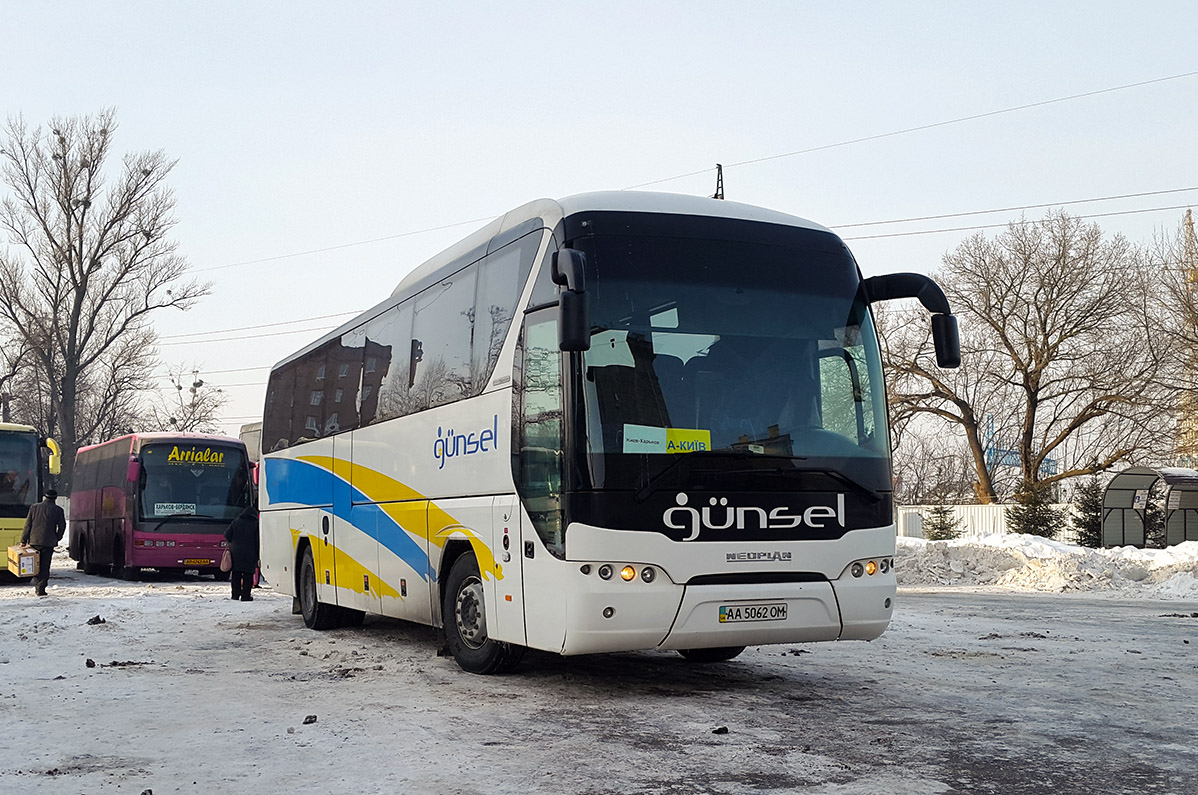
column 972, row 520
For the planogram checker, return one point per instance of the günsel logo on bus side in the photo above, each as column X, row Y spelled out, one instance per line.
column 450, row 445
column 719, row 515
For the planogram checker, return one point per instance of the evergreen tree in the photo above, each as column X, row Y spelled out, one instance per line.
column 1033, row 513
column 1087, row 513
column 940, row 524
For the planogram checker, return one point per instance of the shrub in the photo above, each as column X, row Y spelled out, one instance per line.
column 1032, row 513
column 941, row 524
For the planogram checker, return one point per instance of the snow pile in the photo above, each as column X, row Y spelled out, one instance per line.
column 1030, row 563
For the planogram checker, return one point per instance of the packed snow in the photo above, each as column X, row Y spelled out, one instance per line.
column 1012, row 678
column 1030, row 563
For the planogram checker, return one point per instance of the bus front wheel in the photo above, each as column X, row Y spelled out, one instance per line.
column 465, row 620
column 119, row 569
column 717, row 654
column 317, row 614
column 88, row 563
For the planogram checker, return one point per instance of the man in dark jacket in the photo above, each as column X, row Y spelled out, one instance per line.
column 243, row 544
column 44, row 527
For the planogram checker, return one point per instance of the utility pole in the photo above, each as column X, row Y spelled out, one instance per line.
column 719, row 182
column 1187, row 413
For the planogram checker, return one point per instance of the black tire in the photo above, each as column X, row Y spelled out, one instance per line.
column 717, row 654
column 465, row 623
column 87, row 564
column 119, row 569
column 317, row 614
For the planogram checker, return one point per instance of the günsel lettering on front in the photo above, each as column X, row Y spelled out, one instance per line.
column 719, row 514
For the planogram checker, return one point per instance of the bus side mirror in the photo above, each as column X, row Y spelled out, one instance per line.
column 55, row 462
column 134, row 470
column 946, row 340
column 254, row 472
column 573, row 320
column 915, row 285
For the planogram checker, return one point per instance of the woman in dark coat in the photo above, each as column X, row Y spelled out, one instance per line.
column 242, row 536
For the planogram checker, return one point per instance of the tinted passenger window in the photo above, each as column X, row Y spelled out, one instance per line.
column 442, row 332
column 385, row 376
column 499, row 286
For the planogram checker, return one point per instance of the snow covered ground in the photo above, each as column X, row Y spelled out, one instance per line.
column 1038, row 668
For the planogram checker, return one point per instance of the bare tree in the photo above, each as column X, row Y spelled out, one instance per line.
column 191, row 405
column 87, row 267
column 1064, row 369
column 15, row 361
column 932, row 468
column 1175, row 255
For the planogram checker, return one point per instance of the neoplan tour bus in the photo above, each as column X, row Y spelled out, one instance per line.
column 612, row 422
column 157, row 500
column 24, row 476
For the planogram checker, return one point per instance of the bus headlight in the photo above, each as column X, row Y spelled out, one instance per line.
column 871, row 568
column 605, row 572
column 648, row 574
column 857, row 569
column 627, row 574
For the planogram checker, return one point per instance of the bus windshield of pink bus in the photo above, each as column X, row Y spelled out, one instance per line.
column 193, row 480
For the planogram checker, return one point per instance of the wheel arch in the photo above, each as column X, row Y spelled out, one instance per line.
column 301, row 545
column 454, row 548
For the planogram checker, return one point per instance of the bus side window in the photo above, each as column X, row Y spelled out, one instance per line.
column 539, row 475
column 499, row 283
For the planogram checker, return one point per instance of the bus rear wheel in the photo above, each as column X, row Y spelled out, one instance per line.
column 716, row 654
column 317, row 614
column 465, row 620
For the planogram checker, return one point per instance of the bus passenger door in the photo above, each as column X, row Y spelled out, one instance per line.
column 354, row 535
column 539, row 481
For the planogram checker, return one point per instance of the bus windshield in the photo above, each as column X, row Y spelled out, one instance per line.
column 187, row 480
column 18, row 471
column 740, row 356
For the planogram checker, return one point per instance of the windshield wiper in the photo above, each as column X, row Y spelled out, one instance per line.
column 643, row 492
column 166, row 519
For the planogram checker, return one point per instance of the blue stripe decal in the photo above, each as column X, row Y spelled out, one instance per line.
column 302, row 483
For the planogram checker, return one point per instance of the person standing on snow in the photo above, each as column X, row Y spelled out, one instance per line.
column 242, row 536
column 44, row 527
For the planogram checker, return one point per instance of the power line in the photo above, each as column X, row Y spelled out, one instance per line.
column 1013, row 209
column 824, row 147
column 922, row 127
column 341, row 246
column 264, row 325
column 999, row 226
column 320, row 330
column 915, row 233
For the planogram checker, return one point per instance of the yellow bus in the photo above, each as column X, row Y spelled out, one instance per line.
column 24, row 475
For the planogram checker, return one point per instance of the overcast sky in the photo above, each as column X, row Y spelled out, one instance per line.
column 342, row 132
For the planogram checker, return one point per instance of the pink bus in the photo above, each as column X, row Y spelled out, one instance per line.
column 157, row 500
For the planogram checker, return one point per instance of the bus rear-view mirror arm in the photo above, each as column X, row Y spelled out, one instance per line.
column 573, row 323
column 55, row 462
column 945, row 336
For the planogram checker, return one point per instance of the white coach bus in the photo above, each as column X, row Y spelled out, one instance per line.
column 612, row 422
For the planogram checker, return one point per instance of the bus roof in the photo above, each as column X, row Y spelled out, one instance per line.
column 14, row 427
column 165, row 436
column 550, row 211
